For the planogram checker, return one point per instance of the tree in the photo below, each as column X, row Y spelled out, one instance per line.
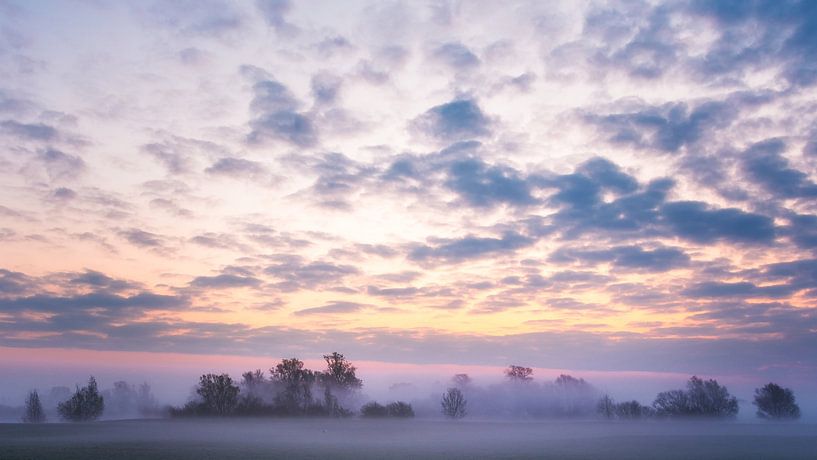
column 34, row 409
column 296, row 395
column 86, row 404
column 453, row 403
column 702, row 398
column 340, row 373
column 519, row 373
column 145, row 401
column 219, row 395
column 606, row 407
column 629, row 410
column 461, row 381
column 400, row 409
column 776, row 403
column 373, row 409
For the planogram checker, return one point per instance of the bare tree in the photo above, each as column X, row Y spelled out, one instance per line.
column 606, row 407
column 776, row 403
column 34, row 409
column 519, row 373
column 453, row 403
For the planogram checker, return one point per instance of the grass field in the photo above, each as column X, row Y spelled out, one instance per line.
column 356, row 438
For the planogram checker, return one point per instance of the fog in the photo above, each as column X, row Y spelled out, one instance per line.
column 488, row 392
column 415, row 438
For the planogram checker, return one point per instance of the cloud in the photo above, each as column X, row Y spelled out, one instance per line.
column 332, row 308
column 274, row 13
column 696, row 221
column 12, row 282
column 765, row 165
column 204, row 18
column 33, row 131
column 482, row 185
column 142, row 238
column 224, row 281
column 761, row 34
column 737, row 289
column 456, row 56
column 60, row 165
column 665, row 128
column 458, row 120
column 326, row 87
column 238, row 168
column 660, row 259
column 48, row 303
column 276, row 117
column 294, row 273
column 99, row 280
column 468, row 247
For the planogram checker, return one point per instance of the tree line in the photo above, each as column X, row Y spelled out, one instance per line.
column 293, row 390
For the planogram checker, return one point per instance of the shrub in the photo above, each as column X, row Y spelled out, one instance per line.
column 400, row 409
column 373, row 409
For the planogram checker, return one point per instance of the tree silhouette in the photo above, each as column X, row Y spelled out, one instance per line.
column 702, row 398
column 606, row 407
column 86, row 404
column 219, row 395
column 373, row 409
column 453, row 403
column 400, row 409
column 629, row 410
column 519, row 373
column 340, row 373
column 34, row 409
column 776, row 403
column 461, row 381
column 296, row 394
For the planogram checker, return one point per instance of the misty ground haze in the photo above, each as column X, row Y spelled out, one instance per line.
column 420, row 438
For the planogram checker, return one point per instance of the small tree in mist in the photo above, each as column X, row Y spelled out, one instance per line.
column 461, row 381
column 776, row 403
column 606, row 407
column 219, row 395
column 519, row 374
column 702, row 398
column 340, row 383
column 630, row 410
column 373, row 410
column 400, row 409
column 453, row 403
column 86, row 404
column 34, row 409
column 296, row 383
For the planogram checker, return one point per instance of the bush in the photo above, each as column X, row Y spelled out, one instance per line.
column 373, row 409
column 400, row 409
column 86, row 404
column 776, row 403
column 702, row 398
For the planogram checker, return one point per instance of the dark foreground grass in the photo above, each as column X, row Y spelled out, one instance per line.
column 355, row 438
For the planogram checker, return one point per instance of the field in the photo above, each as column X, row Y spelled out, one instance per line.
column 356, row 438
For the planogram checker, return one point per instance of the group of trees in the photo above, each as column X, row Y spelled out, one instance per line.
column 519, row 396
column 397, row 409
column 291, row 389
column 704, row 399
column 87, row 403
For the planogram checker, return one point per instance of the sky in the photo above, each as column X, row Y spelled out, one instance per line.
column 622, row 187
